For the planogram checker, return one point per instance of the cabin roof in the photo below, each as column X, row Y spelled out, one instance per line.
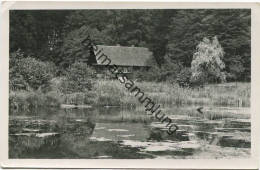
column 125, row 56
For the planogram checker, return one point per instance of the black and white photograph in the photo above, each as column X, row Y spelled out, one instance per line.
column 129, row 84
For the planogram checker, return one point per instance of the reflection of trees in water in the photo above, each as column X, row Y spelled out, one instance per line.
column 48, row 138
column 76, row 133
column 31, row 146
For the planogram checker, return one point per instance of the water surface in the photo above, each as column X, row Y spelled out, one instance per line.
column 116, row 133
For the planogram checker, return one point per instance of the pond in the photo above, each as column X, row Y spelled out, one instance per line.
column 117, row 133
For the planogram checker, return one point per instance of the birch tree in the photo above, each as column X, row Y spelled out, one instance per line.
column 207, row 65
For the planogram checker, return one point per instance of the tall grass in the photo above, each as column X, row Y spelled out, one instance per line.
column 112, row 92
column 86, row 98
column 27, row 100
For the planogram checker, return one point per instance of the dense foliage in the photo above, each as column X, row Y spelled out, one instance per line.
column 207, row 65
column 172, row 36
column 184, row 77
column 78, row 78
column 29, row 73
column 167, row 72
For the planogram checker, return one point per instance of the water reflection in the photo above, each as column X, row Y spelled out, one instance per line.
column 128, row 134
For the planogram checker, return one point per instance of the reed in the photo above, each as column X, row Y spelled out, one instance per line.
column 217, row 115
column 80, row 98
column 112, row 92
column 27, row 100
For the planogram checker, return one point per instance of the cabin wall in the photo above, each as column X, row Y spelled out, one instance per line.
column 104, row 72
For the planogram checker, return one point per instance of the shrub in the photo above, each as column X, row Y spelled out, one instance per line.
column 207, row 64
column 183, row 78
column 146, row 75
column 16, row 80
column 53, row 98
column 78, row 78
column 36, row 73
column 29, row 72
column 167, row 72
column 28, row 100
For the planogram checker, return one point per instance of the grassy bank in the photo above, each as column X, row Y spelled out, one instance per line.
column 27, row 100
column 113, row 93
column 229, row 94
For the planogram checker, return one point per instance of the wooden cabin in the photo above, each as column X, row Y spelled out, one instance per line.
column 127, row 59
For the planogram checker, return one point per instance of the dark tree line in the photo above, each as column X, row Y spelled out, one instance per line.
column 172, row 35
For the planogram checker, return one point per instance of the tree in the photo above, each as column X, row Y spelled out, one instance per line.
column 231, row 26
column 72, row 50
column 54, row 35
column 207, row 65
column 28, row 72
column 37, row 32
column 78, row 78
column 158, row 33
